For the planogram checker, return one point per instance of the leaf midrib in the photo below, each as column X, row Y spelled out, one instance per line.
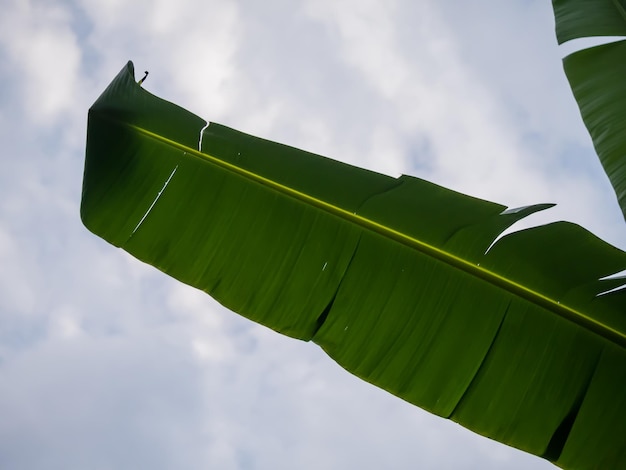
column 472, row 269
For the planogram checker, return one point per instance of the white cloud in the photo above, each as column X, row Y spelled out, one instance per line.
column 433, row 92
column 20, row 296
column 46, row 55
column 186, row 46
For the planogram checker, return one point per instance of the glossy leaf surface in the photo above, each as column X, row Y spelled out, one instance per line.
column 395, row 278
column 586, row 18
column 596, row 76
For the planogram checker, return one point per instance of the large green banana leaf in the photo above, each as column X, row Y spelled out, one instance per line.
column 397, row 279
column 596, row 76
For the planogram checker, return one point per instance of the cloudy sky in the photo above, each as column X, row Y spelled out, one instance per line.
column 106, row 363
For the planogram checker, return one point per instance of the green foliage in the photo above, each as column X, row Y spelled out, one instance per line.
column 395, row 278
column 596, row 76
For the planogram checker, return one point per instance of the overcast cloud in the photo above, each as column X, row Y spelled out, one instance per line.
column 106, row 363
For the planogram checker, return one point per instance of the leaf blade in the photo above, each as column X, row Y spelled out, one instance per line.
column 429, row 316
column 596, row 78
column 584, row 18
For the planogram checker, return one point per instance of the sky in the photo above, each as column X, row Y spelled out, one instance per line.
column 106, row 363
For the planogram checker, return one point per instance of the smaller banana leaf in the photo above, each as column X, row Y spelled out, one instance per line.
column 596, row 76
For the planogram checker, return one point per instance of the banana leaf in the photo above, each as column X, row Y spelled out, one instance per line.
column 596, row 76
column 576, row 19
column 397, row 279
